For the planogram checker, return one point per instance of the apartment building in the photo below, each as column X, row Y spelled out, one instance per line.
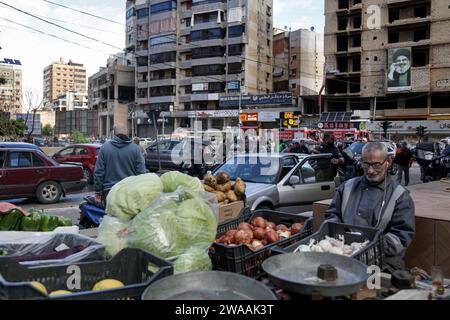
column 189, row 54
column 61, row 77
column 70, row 101
column 298, row 66
column 111, row 93
column 10, row 86
column 391, row 57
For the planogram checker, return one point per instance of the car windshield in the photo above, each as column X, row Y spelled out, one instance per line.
column 357, row 147
column 252, row 169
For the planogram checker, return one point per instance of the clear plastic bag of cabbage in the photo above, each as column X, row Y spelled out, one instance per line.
column 113, row 234
column 194, row 260
column 132, row 195
column 173, row 223
column 172, row 180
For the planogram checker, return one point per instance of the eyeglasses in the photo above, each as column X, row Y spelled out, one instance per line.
column 375, row 165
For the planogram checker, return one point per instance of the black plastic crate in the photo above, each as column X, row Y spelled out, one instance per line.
column 242, row 260
column 135, row 268
column 372, row 254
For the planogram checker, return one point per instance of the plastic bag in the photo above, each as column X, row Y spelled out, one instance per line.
column 194, row 260
column 113, row 233
column 173, row 223
column 24, row 244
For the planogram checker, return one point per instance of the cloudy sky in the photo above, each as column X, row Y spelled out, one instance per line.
column 36, row 50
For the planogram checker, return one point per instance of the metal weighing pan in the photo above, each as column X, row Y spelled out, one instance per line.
column 297, row 273
column 213, row 285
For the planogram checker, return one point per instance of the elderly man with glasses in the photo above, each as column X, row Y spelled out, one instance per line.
column 375, row 200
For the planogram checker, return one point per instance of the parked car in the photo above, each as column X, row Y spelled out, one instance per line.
column 19, row 145
column 283, row 181
column 179, row 155
column 26, row 173
column 40, row 142
column 145, row 142
column 85, row 154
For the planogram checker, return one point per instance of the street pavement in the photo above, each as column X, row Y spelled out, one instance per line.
column 68, row 207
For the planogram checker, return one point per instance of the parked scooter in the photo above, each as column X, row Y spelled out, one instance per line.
column 91, row 212
column 433, row 167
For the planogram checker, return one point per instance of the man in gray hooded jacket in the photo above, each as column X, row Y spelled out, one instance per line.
column 118, row 159
column 375, row 200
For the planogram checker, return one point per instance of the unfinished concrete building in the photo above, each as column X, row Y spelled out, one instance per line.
column 191, row 53
column 391, row 57
column 298, row 66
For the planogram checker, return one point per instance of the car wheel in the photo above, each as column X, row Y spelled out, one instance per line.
column 49, row 192
column 87, row 174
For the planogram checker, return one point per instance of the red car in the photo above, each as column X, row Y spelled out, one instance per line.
column 86, row 154
column 28, row 173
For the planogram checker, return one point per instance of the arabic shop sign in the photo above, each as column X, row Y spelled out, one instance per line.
column 290, row 119
column 263, row 99
column 342, row 125
column 13, row 62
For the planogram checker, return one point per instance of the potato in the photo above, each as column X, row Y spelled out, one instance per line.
column 210, row 180
column 231, row 196
column 239, row 187
column 208, row 188
column 221, row 188
column 223, row 178
column 220, row 196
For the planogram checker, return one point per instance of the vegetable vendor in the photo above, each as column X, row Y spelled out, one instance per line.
column 375, row 200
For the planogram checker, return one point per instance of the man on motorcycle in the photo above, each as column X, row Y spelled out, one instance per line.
column 118, row 159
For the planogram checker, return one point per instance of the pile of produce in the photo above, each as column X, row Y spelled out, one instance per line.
column 174, row 219
column 258, row 234
column 332, row 245
column 226, row 191
column 106, row 284
column 38, row 221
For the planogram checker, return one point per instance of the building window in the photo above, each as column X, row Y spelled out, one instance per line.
column 163, row 57
column 208, row 52
column 234, row 68
column 236, row 31
column 235, row 49
column 162, row 40
column 216, row 33
column 213, row 69
column 163, row 7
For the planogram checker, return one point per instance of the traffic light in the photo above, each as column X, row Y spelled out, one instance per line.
column 386, row 125
column 421, row 131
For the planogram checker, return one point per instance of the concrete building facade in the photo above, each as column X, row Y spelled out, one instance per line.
column 191, row 53
column 70, row 101
column 61, row 77
column 298, row 66
column 111, row 92
column 391, row 57
column 10, row 88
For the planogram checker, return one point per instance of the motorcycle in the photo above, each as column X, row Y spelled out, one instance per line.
column 433, row 167
column 91, row 212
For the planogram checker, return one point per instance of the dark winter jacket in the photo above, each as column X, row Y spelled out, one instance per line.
column 363, row 209
column 118, row 159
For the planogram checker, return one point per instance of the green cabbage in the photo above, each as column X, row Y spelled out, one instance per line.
column 172, row 224
column 132, row 195
column 173, row 179
column 194, row 260
column 113, row 234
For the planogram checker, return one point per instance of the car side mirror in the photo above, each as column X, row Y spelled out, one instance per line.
column 294, row 180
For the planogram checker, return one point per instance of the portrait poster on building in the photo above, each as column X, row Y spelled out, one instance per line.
column 399, row 70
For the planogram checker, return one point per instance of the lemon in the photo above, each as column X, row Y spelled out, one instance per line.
column 59, row 293
column 107, row 284
column 40, row 287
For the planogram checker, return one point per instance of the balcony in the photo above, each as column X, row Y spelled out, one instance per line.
column 162, row 66
column 205, row 61
column 208, row 25
column 142, row 69
column 209, row 7
column 185, row 81
column 142, row 84
column 185, row 98
column 162, row 82
column 164, row 99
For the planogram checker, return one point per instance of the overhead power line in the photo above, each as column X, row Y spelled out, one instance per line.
column 83, row 12
column 59, row 26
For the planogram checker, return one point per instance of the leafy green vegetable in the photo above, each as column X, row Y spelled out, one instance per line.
column 31, row 223
column 194, row 260
column 113, row 234
column 64, row 222
column 173, row 179
column 11, row 221
column 132, row 195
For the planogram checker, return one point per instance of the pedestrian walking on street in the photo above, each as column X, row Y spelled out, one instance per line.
column 118, row 159
column 137, row 141
column 403, row 160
